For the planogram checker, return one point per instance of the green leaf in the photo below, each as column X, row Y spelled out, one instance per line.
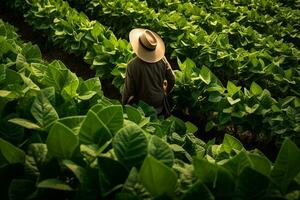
column 215, row 175
column 133, row 114
column 32, row 53
column 232, row 88
column 261, row 164
column 61, row 141
column 77, row 170
column 205, row 171
column 198, row 190
column 73, row 122
column 39, row 152
column 178, row 125
column 112, row 117
column 10, row 154
column 233, row 101
column 43, row 111
column 71, row 84
column 230, row 143
column 160, row 150
column 287, row 165
column 255, row 89
column 237, row 164
column 54, row 184
column 130, row 145
column 215, row 97
column 58, row 76
column 4, row 93
column 209, row 125
column 112, row 174
column 190, row 127
column 157, row 177
column 93, row 130
column 89, row 88
column 25, row 123
column 134, row 186
column 205, row 75
column 252, row 185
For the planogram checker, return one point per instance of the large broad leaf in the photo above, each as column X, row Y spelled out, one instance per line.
column 93, row 130
column 89, row 88
column 43, row 111
column 112, row 117
column 198, row 190
column 219, row 178
column 160, row 150
column 61, row 141
column 130, row 145
column 54, row 184
column 69, row 90
column 61, row 78
column 55, row 75
column 32, row 53
column 157, row 177
column 261, row 164
column 72, row 122
column 10, row 154
column 133, row 114
column 237, row 164
column 252, row 184
column 112, row 174
column 287, row 165
column 230, row 143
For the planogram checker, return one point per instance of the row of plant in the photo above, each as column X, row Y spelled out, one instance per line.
column 276, row 9
column 41, row 19
column 74, row 32
column 245, row 13
column 253, row 110
column 66, row 150
column 232, row 52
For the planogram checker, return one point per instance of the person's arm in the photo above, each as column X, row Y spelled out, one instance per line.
column 128, row 92
column 170, row 76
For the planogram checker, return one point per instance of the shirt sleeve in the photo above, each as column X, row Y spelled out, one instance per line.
column 170, row 77
column 128, row 86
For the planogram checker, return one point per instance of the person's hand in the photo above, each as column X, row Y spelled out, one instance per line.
column 165, row 86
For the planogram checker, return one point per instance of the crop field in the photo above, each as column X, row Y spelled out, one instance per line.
column 234, row 132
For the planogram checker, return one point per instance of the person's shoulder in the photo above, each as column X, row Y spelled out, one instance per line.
column 134, row 60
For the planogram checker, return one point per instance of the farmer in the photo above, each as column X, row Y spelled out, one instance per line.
column 149, row 76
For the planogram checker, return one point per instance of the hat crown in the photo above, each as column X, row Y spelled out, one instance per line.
column 148, row 40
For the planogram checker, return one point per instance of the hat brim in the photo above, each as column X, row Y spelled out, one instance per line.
column 143, row 53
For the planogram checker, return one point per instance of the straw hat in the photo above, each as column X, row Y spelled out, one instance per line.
column 147, row 45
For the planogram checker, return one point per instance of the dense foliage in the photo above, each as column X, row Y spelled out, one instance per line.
column 275, row 114
column 60, row 138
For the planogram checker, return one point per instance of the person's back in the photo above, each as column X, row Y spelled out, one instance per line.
column 147, row 73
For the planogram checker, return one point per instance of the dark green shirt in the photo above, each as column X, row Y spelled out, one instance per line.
column 144, row 81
